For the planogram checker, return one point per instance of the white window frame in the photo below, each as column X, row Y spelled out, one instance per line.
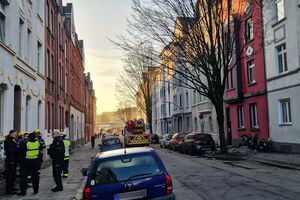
column 2, row 22
column 1, row 111
column 241, row 117
column 180, row 101
column 251, row 72
column 285, row 104
column 187, row 99
column 282, row 64
column 249, row 29
column 253, row 116
column 280, row 14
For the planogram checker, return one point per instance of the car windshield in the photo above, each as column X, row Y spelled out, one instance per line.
column 111, row 141
column 125, row 168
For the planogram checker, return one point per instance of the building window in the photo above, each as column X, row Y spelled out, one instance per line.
column 279, row 6
column 39, row 111
column 187, row 99
column 27, row 113
column 249, row 29
column 241, row 123
column 253, row 116
column 2, row 21
column 39, row 55
column 230, row 79
column 187, row 123
column 21, row 25
column 285, row 111
column 195, row 124
column 195, row 96
column 180, row 101
column 28, row 43
column 175, row 102
column 251, row 71
column 282, row 58
column 1, row 109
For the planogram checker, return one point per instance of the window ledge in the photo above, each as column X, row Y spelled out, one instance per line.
column 285, row 124
column 254, row 129
column 241, row 129
column 278, row 22
column 231, row 89
column 251, row 84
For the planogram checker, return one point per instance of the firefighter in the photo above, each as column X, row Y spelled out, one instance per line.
column 11, row 149
column 65, row 167
column 32, row 149
column 56, row 152
column 42, row 147
column 23, row 138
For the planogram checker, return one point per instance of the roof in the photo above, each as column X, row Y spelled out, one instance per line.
column 120, row 152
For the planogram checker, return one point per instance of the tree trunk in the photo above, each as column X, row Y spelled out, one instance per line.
column 220, row 118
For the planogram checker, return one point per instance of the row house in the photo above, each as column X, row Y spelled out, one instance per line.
column 22, row 70
column 246, row 110
column 64, row 60
column 282, row 49
column 90, row 108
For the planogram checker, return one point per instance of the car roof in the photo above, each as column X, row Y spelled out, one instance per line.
column 120, row 152
column 111, row 138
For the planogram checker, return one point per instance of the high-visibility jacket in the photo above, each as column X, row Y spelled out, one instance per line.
column 32, row 150
column 67, row 144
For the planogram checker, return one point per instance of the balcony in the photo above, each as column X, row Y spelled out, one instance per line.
column 204, row 107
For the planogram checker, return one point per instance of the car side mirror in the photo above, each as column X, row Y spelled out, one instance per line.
column 84, row 171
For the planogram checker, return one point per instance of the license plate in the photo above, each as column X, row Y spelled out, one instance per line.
column 139, row 194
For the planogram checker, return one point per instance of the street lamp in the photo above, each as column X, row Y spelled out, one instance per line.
column 181, row 111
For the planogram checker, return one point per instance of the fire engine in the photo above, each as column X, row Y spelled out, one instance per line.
column 135, row 133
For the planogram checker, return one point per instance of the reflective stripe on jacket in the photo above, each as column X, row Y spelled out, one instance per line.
column 67, row 147
column 32, row 150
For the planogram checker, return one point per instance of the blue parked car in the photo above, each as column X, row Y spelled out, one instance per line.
column 131, row 173
column 110, row 143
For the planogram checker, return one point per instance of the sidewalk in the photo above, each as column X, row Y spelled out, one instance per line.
column 73, row 185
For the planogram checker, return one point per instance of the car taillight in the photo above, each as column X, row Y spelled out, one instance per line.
column 169, row 184
column 87, row 193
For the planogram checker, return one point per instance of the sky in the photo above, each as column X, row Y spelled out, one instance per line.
column 96, row 21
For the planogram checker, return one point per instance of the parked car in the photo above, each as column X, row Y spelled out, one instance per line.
column 175, row 141
column 110, row 143
column 165, row 140
column 154, row 139
column 197, row 143
column 131, row 173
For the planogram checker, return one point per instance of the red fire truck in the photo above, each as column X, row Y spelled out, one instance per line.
column 135, row 133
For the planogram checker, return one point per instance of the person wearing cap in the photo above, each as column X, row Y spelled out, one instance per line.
column 42, row 147
column 56, row 152
column 23, row 138
column 65, row 166
column 11, row 152
column 32, row 149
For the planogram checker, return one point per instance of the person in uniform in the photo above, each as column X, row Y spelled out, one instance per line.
column 65, row 167
column 93, row 141
column 56, row 152
column 32, row 149
column 11, row 152
column 42, row 147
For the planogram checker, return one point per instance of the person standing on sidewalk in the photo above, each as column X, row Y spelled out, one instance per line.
column 93, row 141
column 30, row 166
column 42, row 147
column 56, row 152
column 11, row 152
column 65, row 167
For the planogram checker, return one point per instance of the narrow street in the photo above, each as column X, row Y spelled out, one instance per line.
column 199, row 178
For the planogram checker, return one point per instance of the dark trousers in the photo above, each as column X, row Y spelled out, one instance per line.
column 10, row 175
column 65, row 167
column 29, row 167
column 93, row 144
column 57, row 169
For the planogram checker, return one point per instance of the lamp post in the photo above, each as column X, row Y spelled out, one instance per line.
column 181, row 112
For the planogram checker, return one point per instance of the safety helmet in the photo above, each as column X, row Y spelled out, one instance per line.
column 62, row 134
column 36, row 130
column 21, row 133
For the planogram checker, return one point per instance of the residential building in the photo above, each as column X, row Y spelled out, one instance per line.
column 282, row 48
column 90, row 108
column 76, row 78
column 22, row 70
column 245, row 97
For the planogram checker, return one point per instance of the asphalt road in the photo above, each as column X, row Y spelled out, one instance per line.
column 197, row 178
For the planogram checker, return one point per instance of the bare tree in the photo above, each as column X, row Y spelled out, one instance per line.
column 133, row 85
column 202, row 38
column 125, row 111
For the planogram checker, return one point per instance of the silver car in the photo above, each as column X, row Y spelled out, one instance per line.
column 165, row 141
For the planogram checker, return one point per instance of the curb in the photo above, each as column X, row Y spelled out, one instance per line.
column 275, row 164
